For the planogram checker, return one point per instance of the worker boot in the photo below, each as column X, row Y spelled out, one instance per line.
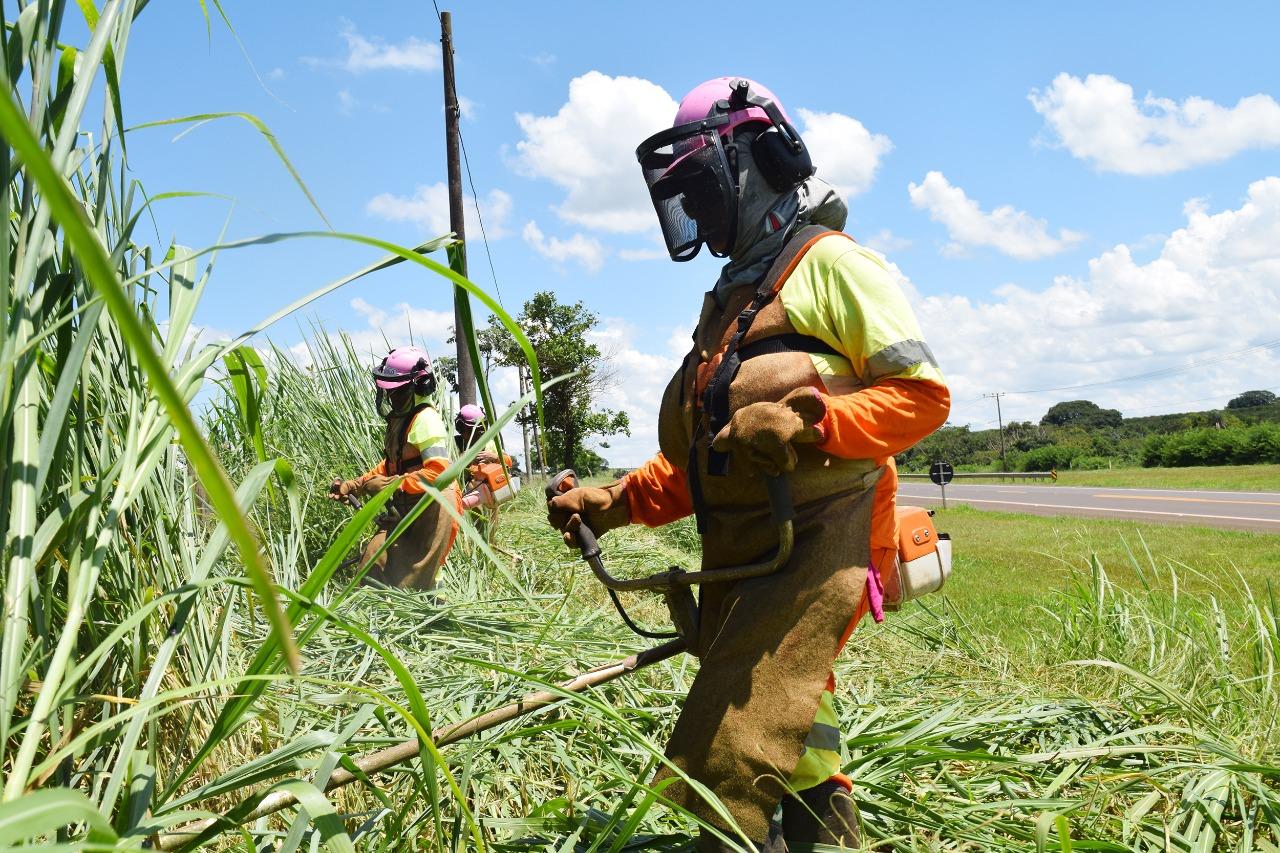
column 824, row 814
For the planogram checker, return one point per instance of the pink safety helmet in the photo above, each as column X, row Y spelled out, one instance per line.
column 401, row 366
column 704, row 99
column 470, row 416
column 691, row 168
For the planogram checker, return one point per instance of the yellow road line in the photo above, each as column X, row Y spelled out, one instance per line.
column 1099, row 509
column 1188, row 500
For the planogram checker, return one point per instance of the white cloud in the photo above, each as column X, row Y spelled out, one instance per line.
column 1008, row 230
column 641, row 379
column 542, row 59
column 466, row 107
column 579, row 248
column 885, row 242
column 643, row 254
column 846, row 153
column 588, row 149
column 346, row 102
column 276, row 73
column 428, row 208
column 375, row 54
column 1098, row 119
column 1213, row 288
column 372, row 330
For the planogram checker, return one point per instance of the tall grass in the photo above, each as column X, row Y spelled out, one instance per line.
column 130, row 557
column 156, row 574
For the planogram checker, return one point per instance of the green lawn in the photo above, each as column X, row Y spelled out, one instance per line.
column 1008, row 564
column 1236, row 478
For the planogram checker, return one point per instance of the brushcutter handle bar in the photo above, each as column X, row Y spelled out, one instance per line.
column 587, row 543
column 781, row 508
column 780, row 504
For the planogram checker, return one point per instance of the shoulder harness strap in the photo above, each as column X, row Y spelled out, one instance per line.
column 715, row 399
column 401, row 440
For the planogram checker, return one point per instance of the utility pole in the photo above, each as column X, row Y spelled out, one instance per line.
column 461, row 304
column 999, row 420
column 524, row 424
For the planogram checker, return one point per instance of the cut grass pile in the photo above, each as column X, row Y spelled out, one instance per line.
column 1141, row 715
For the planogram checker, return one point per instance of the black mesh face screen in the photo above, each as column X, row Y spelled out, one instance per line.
column 692, row 191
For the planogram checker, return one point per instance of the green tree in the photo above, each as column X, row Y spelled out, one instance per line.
column 1249, row 399
column 558, row 333
column 1081, row 413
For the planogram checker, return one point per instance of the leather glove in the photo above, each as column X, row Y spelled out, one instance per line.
column 603, row 509
column 371, row 484
column 341, row 489
column 485, row 457
column 763, row 435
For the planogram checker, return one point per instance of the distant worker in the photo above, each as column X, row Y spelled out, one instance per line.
column 415, row 451
column 806, row 360
column 489, row 476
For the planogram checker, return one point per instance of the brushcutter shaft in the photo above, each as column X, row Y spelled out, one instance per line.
column 383, row 759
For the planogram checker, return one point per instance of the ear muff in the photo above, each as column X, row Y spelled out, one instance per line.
column 425, row 385
column 782, row 158
column 779, row 152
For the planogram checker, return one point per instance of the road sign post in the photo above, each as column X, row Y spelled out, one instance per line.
column 941, row 473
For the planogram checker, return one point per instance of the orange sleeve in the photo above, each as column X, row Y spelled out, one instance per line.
column 411, row 484
column 885, row 419
column 884, row 517
column 657, row 493
column 376, row 471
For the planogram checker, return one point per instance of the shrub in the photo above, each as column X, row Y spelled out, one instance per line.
column 1237, row 445
column 1049, row 458
column 1090, row 463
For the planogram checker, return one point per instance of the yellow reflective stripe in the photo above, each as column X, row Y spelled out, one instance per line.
column 814, row 767
column 817, row 764
column 827, row 710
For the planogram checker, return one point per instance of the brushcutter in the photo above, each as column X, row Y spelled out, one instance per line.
column 675, row 583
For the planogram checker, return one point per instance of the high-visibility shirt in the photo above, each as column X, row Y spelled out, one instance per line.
column 428, row 440
column 883, row 389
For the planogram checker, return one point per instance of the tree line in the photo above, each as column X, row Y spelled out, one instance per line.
column 1079, row 434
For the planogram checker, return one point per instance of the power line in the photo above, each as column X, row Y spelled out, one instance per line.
column 1163, row 372
column 475, row 199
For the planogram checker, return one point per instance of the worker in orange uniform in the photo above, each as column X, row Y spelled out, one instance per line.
column 415, row 452
column 807, row 360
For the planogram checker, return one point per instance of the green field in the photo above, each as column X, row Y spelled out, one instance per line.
column 1008, row 564
column 1236, row 478
column 185, row 634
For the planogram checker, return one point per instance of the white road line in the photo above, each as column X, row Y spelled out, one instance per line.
column 1060, row 488
column 1108, row 509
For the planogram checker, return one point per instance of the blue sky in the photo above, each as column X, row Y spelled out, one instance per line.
column 1053, row 228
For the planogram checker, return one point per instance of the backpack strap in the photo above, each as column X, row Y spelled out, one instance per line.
column 789, row 342
column 395, row 453
column 715, row 399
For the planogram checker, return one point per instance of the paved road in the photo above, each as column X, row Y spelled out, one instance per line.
column 1236, row 510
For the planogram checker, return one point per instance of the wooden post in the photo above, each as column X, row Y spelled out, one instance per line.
column 461, row 304
column 524, row 424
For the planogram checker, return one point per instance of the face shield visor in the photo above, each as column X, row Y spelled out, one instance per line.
column 693, row 187
column 394, row 402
